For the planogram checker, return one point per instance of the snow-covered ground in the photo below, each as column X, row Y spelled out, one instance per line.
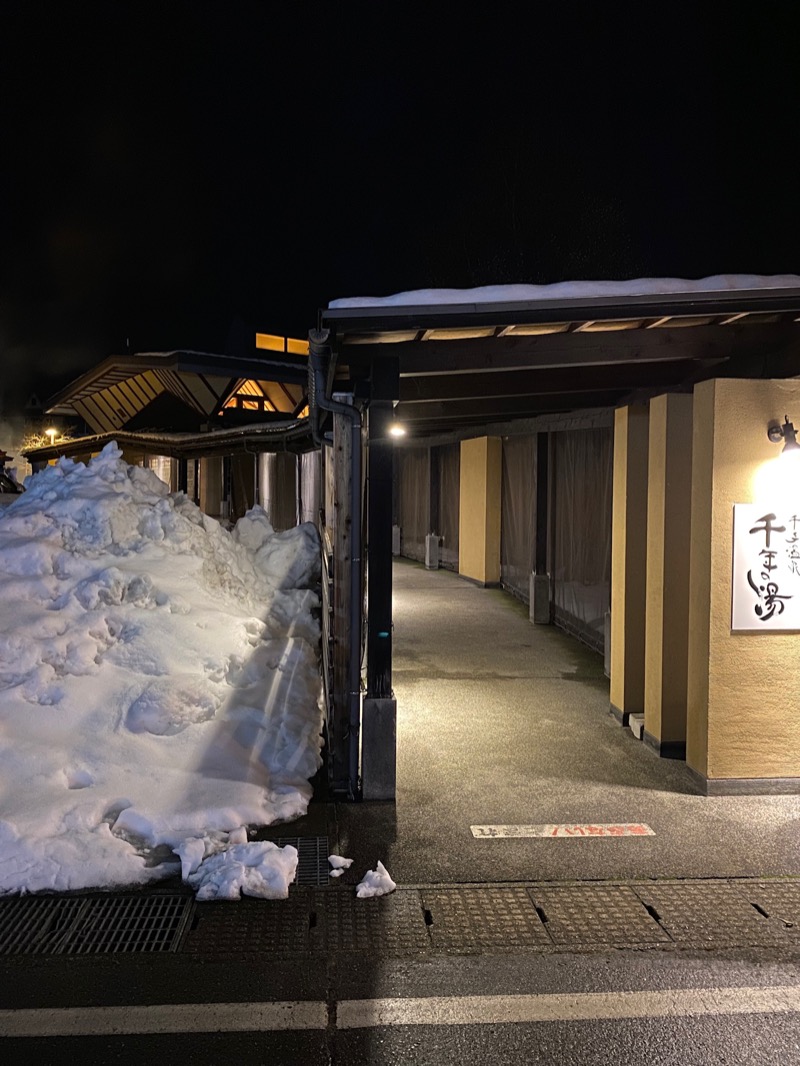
column 159, row 686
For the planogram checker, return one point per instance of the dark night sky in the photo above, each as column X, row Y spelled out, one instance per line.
column 169, row 168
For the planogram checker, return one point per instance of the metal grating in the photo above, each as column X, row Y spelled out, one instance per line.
column 610, row 914
column 477, row 919
column 313, row 868
column 92, row 925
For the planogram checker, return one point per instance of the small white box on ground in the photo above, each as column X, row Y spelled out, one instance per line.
column 636, row 725
column 432, row 551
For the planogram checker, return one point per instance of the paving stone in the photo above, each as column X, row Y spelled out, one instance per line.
column 483, row 919
column 392, row 924
column 714, row 913
column 279, row 927
column 597, row 914
column 781, row 902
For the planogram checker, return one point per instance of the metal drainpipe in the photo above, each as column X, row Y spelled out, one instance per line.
column 319, row 352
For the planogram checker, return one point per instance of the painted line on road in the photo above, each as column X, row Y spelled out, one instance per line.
column 374, row 1013
column 571, row 830
column 566, row 1007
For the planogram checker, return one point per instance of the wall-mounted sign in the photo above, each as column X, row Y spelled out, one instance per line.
column 766, row 568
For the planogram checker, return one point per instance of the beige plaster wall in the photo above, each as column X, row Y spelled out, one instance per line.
column 668, row 554
column 743, row 687
column 628, row 558
column 479, row 510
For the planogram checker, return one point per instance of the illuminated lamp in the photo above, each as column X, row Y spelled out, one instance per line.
column 397, row 430
column 51, row 433
column 786, row 433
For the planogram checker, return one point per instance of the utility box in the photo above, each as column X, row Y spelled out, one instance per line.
column 395, row 540
column 432, row 551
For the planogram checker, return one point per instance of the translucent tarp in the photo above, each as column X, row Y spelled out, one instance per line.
column 518, row 517
column 448, row 461
column 277, row 478
column 309, row 495
column 581, row 565
column 412, row 470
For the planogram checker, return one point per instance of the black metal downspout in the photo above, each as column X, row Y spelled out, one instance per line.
column 319, row 355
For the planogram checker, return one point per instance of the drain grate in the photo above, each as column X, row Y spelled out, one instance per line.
column 92, row 925
column 312, row 859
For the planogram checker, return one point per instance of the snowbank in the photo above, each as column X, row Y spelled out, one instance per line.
column 572, row 290
column 159, row 684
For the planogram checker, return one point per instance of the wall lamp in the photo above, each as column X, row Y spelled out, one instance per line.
column 397, row 429
column 785, row 432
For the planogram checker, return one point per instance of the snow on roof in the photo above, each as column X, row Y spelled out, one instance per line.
column 159, row 686
column 571, row 290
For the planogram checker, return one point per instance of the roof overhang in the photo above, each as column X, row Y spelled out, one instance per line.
column 470, row 364
column 274, row 436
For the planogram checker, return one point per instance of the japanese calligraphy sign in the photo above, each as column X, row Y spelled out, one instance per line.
column 766, row 568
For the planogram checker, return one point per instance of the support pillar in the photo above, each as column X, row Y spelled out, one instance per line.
column 378, row 725
column 628, row 561
column 743, row 730
column 479, row 510
column 669, row 484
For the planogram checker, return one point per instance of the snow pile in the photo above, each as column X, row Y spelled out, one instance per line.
column 375, row 883
column 338, row 865
column 572, row 290
column 159, row 685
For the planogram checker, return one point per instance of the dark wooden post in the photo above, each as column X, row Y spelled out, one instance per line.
column 378, row 734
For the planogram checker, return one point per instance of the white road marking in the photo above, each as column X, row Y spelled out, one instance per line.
column 578, row 1006
column 577, row 830
column 371, row 1013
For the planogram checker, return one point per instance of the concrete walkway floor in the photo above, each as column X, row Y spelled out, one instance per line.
column 504, row 723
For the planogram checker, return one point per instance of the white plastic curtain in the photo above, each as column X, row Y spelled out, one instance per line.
column 518, row 514
column 309, row 494
column 582, row 462
column 449, row 464
column 413, row 471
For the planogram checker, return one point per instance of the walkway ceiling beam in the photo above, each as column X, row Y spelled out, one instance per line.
column 437, row 412
column 544, row 382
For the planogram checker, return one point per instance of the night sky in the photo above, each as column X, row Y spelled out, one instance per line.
column 172, row 169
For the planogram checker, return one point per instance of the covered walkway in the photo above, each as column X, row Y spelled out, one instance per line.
column 501, row 722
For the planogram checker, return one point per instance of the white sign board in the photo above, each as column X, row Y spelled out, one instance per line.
column 766, row 568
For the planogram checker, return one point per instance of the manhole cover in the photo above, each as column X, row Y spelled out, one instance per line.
column 75, row 925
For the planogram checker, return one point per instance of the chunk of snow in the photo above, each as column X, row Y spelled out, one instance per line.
column 338, row 862
column 159, row 679
column 260, row 869
column 338, row 865
column 375, row 883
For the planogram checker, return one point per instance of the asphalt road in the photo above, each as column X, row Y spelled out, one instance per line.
column 633, row 1007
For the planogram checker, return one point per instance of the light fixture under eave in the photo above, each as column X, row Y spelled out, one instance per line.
column 397, row 430
column 786, row 433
